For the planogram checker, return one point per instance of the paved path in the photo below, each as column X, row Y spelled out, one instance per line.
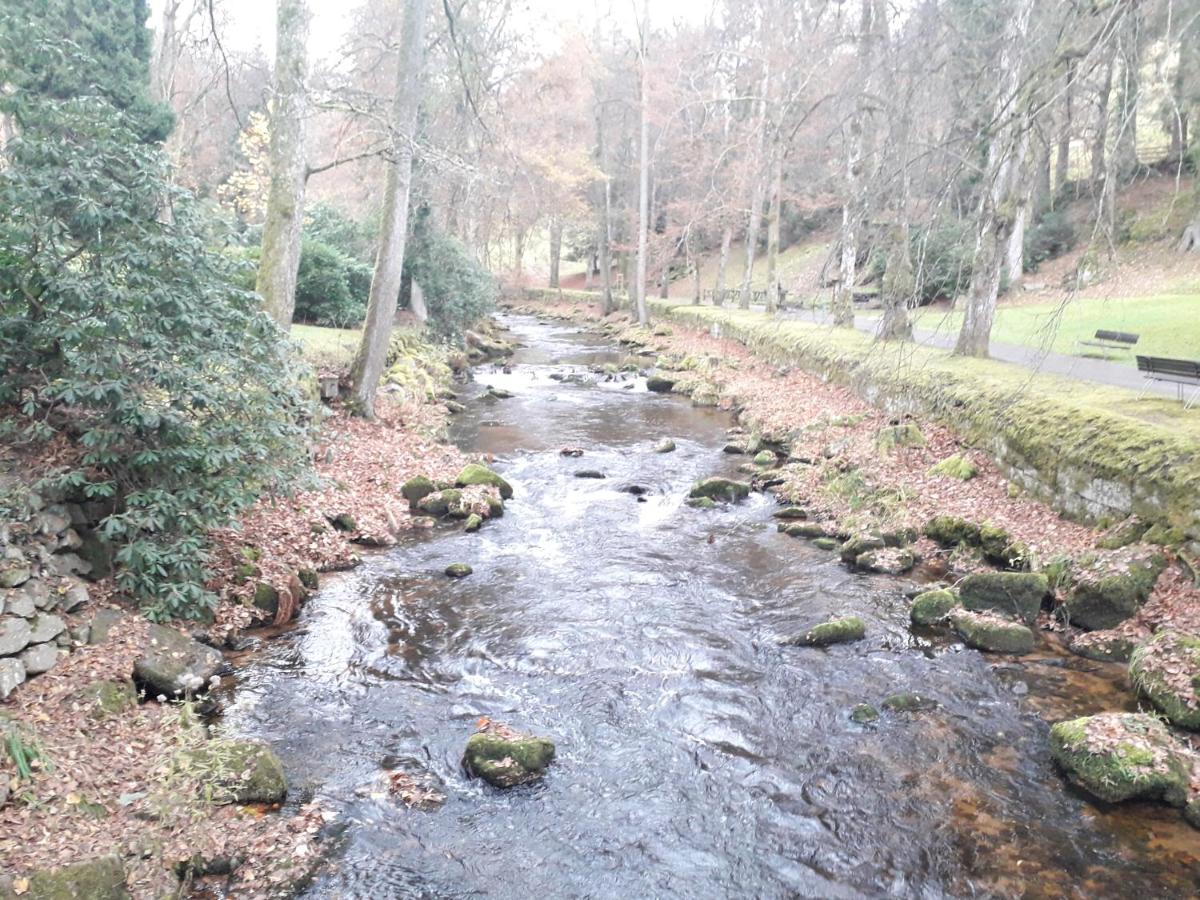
column 1080, row 368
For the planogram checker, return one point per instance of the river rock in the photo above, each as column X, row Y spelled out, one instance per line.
column 590, row 473
column 1103, row 646
column 950, row 531
column 660, row 384
column 505, row 759
column 1121, row 756
column 864, row 714
column 764, row 458
column 1017, row 594
column 174, row 664
column 992, row 633
column 475, row 474
column 886, row 561
column 790, row 512
column 46, row 627
column 720, row 489
column 807, row 530
column 12, row 674
column 15, row 635
column 39, row 658
column 1103, row 597
column 238, row 771
column 474, row 522
column 931, row 607
column 442, row 503
column 856, row 546
column 458, row 570
column 1166, row 671
column 908, row 701
column 835, row 631
column 107, row 698
column 416, row 489
column 102, row 878
column 666, row 445
column 827, row 543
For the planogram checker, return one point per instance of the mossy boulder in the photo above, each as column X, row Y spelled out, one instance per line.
column 931, row 607
column 826, row 543
column 266, row 598
column 309, row 579
column 666, row 445
column 790, row 512
column 343, row 522
column 506, row 760
column 856, row 546
column 1103, row 646
column 1124, row 533
column 1164, row 535
column 908, row 701
column 231, row 771
column 441, row 503
column 1121, row 756
column 888, row 561
column 835, row 631
column 1166, row 671
column 725, row 489
column 174, row 663
column 475, row 474
column 956, row 466
column 1017, row 594
column 891, row 437
column 701, row 503
column 764, row 458
column 458, row 570
column 108, row 698
column 416, row 489
column 950, row 531
column 992, row 633
column 802, row 529
column 1105, row 597
column 864, row 714
column 474, row 522
column 102, row 878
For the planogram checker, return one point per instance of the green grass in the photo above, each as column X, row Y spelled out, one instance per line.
column 327, row 346
column 1168, row 325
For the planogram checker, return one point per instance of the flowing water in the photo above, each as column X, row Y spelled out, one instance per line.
column 697, row 757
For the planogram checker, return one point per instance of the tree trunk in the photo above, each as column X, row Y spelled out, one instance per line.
column 1125, row 152
column 854, row 203
column 1062, row 162
column 722, row 263
column 519, row 252
column 994, row 222
column 393, row 233
column 757, row 192
column 555, row 250
column 416, row 302
column 773, row 221
column 280, row 255
column 1100, row 139
column 694, row 263
column 1014, row 256
column 590, row 271
column 643, row 169
column 899, row 284
column 606, row 304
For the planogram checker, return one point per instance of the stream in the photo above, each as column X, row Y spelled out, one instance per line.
column 697, row 757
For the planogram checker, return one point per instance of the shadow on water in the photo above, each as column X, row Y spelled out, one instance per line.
column 697, row 756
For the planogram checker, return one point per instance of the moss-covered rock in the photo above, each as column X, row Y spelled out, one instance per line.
column 309, row 579
column 826, row 543
column 108, row 698
column 1164, row 535
column 660, row 384
column 993, row 541
column 232, row 771
column 908, row 701
column 864, row 714
column 416, row 489
column 956, row 466
column 1121, row 756
column 835, row 631
column 102, row 878
column 1126, row 532
column 931, row 607
column 505, row 760
column 1166, row 671
column 1018, row 594
column 266, row 598
column 701, row 503
column 992, row 633
column 475, row 474
column 720, row 489
column 802, row 529
column 856, row 546
column 950, row 531
column 173, row 663
column 474, row 522
column 1103, row 646
column 343, row 522
column 1104, row 597
column 891, row 437
column 764, row 458
column 790, row 512
column 441, row 503
column 888, row 561
column 458, row 570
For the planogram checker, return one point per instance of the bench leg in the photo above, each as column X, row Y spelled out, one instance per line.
column 1192, row 398
column 1146, row 382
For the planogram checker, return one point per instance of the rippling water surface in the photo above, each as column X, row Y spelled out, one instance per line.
column 696, row 756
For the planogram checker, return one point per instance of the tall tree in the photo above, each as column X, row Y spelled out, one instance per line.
column 280, row 258
column 393, row 232
column 643, row 164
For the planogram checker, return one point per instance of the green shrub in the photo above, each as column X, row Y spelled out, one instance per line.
column 123, row 330
column 1050, row 237
column 331, row 289
column 458, row 289
column 942, row 256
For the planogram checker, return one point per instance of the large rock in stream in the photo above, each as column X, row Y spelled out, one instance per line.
column 1122, row 756
column 475, row 474
column 505, row 758
column 1103, row 596
column 1017, row 594
column 175, row 664
column 991, row 633
column 1166, row 671
column 720, row 489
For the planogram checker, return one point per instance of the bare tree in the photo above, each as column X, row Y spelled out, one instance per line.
column 389, row 261
column 643, row 166
column 280, row 259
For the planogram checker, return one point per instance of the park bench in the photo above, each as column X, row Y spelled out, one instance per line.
column 1110, row 340
column 1182, row 373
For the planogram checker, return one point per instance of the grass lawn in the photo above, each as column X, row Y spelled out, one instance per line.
column 1168, row 324
column 327, row 346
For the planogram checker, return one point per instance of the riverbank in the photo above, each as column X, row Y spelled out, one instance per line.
column 110, row 779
